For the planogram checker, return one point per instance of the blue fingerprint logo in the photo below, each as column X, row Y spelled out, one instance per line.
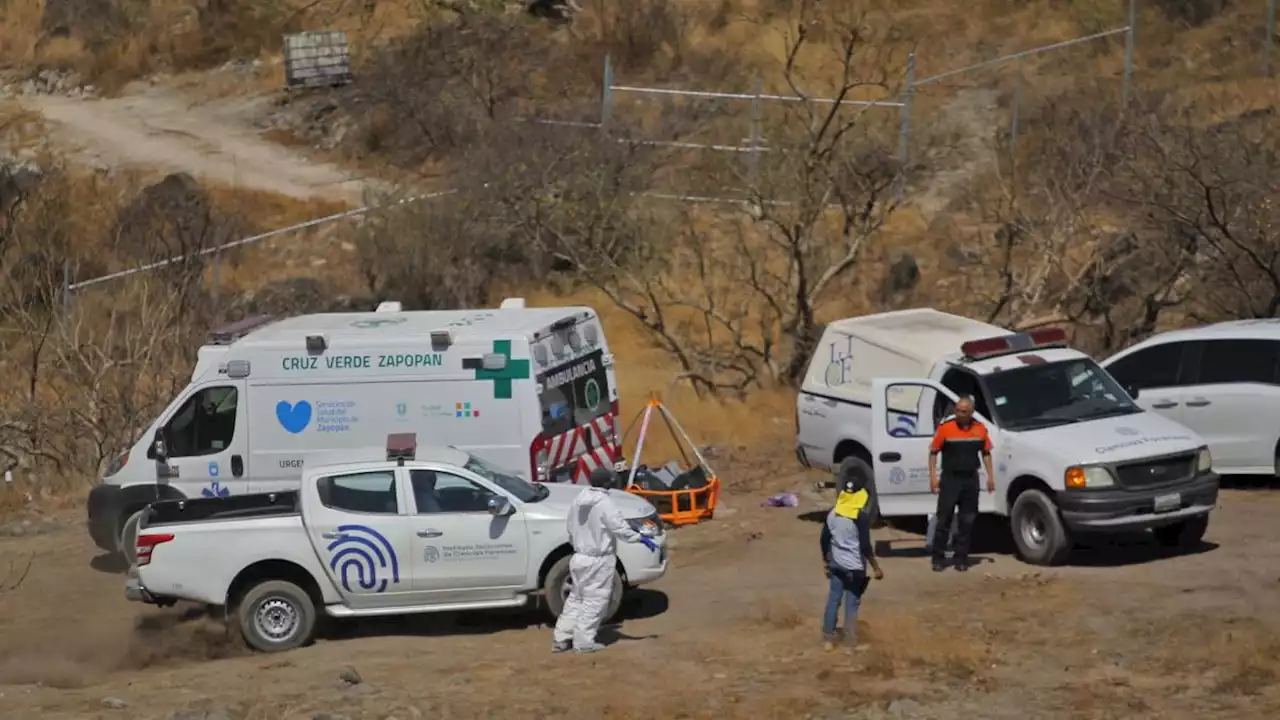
column 364, row 553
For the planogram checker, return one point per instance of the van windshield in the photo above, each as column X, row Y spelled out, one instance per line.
column 574, row 393
column 523, row 490
column 1042, row 396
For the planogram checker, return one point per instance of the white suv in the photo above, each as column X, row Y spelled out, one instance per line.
column 1221, row 381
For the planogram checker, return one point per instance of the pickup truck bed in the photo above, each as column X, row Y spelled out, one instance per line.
column 235, row 507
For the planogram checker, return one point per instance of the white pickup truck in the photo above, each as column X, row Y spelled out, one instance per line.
column 1073, row 453
column 418, row 532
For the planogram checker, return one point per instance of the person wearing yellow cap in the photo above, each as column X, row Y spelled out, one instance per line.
column 846, row 553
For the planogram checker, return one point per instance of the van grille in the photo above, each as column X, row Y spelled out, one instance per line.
column 1157, row 472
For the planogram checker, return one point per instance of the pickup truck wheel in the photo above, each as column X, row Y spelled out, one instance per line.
column 859, row 467
column 556, row 590
column 1038, row 532
column 1184, row 535
column 276, row 615
column 129, row 537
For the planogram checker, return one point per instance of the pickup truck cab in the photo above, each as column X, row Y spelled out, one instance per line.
column 424, row 531
column 1073, row 453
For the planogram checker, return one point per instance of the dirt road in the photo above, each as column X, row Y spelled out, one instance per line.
column 159, row 127
column 1127, row 631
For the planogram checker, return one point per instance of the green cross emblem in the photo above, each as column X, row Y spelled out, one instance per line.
column 515, row 370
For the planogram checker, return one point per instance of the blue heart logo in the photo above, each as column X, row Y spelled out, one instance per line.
column 293, row 418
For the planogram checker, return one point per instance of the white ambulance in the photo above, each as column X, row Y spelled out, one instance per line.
column 531, row 390
column 1074, row 454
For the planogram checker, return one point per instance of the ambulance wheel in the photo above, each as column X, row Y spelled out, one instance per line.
column 129, row 537
column 555, row 590
column 859, row 467
column 1038, row 531
column 276, row 615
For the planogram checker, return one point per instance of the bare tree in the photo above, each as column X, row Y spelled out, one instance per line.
column 732, row 291
column 1055, row 246
column 118, row 364
column 1210, row 189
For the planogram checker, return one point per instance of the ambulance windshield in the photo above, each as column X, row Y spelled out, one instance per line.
column 574, row 394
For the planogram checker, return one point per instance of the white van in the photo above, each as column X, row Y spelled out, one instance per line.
column 1220, row 380
column 531, row 390
column 1073, row 452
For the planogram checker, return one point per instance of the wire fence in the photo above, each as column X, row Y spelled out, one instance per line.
column 755, row 142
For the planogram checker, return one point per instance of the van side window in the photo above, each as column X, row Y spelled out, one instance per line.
column 441, row 492
column 204, row 425
column 366, row 492
column 1153, row 367
column 1237, row 361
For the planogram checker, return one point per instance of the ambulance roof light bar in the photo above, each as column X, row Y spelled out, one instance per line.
column 1013, row 343
column 402, row 446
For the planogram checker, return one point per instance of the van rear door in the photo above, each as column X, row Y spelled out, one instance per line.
column 818, row 427
column 577, row 399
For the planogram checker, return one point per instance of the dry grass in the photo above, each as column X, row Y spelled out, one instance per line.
column 766, row 420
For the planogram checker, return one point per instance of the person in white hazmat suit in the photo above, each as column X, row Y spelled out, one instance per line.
column 595, row 526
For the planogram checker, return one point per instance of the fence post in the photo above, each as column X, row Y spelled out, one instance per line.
column 217, row 277
column 606, row 93
column 1271, row 38
column 66, row 289
column 1129, row 42
column 757, row 118
column 904, row 133
column 1013, row 122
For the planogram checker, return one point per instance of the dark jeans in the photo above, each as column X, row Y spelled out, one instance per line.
column 956, row 490
column 846, row 585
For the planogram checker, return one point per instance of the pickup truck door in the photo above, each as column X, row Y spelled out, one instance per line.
column 359, row 525
column 462, row 553
column 901, row 459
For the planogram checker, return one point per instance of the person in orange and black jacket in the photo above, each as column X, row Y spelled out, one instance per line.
column 961, row 441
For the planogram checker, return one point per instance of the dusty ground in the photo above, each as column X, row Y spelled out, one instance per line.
column 165, row 128
column 1127, row 631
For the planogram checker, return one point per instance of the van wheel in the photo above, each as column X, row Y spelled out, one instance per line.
column 129, row 537
column 555, row 590
column 1183, row 535
column 860, row 468
column 1038, row 532
column 276, row 615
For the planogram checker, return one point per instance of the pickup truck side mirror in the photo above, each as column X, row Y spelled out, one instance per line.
column 499, row 506
column 1132, row 390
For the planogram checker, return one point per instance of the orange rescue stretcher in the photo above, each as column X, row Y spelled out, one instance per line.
column 699, row 487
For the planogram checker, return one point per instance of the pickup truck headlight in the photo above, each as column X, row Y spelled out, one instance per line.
column 1204, row 463
column 1078, row 477
column 649, row 525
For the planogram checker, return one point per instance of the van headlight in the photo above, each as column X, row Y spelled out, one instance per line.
column 1078, row 477
column 1204, row 463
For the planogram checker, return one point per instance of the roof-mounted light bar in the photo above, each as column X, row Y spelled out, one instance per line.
column 228, row 334
column 402, row 446
column 1013, row 343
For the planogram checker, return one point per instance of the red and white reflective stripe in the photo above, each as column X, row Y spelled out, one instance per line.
column 560, row 448
column 599, row 457
column 602, row 428
column 594, row 440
